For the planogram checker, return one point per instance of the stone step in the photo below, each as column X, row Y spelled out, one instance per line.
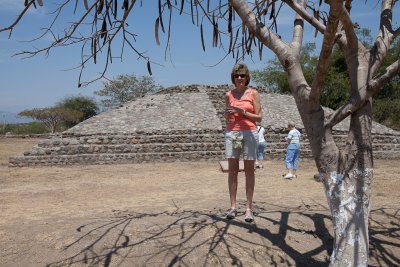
column 115, row 140
column 124, row 148
column 385, row 146
column 280, row 151
column 379, row 154
column 176, row 156
column 130, row 144
column 82, row 159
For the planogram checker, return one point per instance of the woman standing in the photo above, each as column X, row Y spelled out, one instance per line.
column 293, row 151
column 243, row 110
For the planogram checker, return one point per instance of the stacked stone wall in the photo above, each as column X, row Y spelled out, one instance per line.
column 129, row 148
column 384, row 146
column 174, row 146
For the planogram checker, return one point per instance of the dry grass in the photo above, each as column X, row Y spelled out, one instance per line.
column 13, row 147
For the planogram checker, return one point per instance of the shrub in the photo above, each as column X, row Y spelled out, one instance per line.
column 25, row 128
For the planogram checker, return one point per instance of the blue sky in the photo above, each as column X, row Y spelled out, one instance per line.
column 42, row 81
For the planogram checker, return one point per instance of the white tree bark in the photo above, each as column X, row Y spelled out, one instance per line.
column 349, row 200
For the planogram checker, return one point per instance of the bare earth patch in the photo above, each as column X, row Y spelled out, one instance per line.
column 171, row 214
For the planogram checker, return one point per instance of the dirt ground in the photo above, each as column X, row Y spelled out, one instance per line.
column 171, row 214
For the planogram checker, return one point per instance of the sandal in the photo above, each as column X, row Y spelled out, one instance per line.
column 231, row 213
column 249, row 217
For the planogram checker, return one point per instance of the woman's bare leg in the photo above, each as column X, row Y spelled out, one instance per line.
column 250, row 182
column 233, row 170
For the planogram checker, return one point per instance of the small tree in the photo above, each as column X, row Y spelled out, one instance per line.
column 125, row 88
column 52, row 117
column 86, row 105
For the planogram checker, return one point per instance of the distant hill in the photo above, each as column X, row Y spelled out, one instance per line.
column 12, row 118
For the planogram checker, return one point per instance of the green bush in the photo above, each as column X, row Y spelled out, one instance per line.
column 25, row 128
column 387, row 112
column 86, row 105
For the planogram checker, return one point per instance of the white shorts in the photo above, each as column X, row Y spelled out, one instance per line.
column 245, row 141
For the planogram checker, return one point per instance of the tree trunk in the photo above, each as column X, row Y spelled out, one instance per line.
column 347, row 177
column 348, row 197
column 53, row 127
column 348, row 191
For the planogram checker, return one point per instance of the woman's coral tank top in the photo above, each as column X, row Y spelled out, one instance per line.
column 238, row 121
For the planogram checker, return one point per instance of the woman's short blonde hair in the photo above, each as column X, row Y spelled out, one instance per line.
column 240, row 68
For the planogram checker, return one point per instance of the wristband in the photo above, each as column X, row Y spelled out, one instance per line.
column 244, row 112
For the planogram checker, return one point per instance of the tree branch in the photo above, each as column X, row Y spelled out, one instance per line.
column 299, row 9
column 385, row 36
column 341, row 39
column 348, row 26
column 347, row 5
column 48, row 29
column 326, row 51
column 389, row 73
column 11, row 27
column 365, row 94
column 108, row 36
column 258, row 29
column 59, row 41
column 298, row 32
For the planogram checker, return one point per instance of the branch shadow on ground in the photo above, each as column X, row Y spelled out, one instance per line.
column 206, row 238
column 384, row 237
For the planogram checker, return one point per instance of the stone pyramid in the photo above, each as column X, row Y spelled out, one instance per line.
column 180, row 123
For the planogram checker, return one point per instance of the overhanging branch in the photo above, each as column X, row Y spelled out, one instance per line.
column 268, row 38
column 11, row 27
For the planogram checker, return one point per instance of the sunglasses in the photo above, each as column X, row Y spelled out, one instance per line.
column 240, row 76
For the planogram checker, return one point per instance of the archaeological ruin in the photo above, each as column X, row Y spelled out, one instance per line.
column 180, row 123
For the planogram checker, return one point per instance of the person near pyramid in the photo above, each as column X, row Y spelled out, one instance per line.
column 293, row 151
column 243, row 111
